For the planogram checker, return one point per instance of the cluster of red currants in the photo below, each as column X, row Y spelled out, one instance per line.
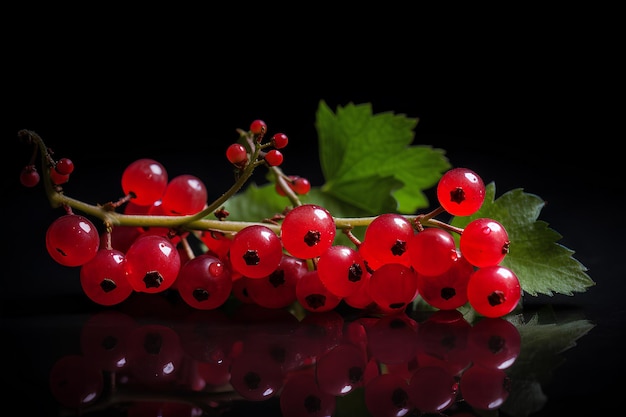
column 398, row 259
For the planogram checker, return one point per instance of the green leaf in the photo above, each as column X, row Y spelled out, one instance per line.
column 542, row 265
column 368, row 160
column 255, row 203
column 374, row 193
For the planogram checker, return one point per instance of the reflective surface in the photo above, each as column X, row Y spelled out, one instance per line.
column 155, row 356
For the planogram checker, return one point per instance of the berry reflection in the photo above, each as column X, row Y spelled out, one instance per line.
column 213, row 362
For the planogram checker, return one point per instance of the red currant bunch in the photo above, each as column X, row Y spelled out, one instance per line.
column 294, row 257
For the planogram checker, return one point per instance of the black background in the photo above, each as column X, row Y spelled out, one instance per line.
column 527, row 105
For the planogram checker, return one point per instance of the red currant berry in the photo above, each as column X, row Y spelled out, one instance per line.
column 240, row 288
column 258, row 127
column 274, row 158
column 72, row 240
column 461, row 191
column 446, row 291
column 432, row 251
column 236, row 154
column 103, row 278
column 29, row 177
column 313, row 295
column 64, row 166
column 493, row 291
column 361, row 298
column 204, row 282
column 255, row 251
column 185, row 194
column 393, row 286
column 301, row 185
column 153, row 263
column 341, row 270
column 144, row 179
column 307, row 231
column 57, row 178
column 278, row 289
column 484, row 242
column 157, row 209
column 387, row 237
column 280, row 140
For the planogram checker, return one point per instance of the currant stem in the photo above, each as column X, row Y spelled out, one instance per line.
column 445, row 226
column 45, row 160
column 199, row 221
column 352, row 237
column 187, row 248
column 282, row 180
column 428, row 220
column 437, row 211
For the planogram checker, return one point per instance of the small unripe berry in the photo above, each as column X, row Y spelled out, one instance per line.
column 258, row 127
column 274, row 158
column 280, row 140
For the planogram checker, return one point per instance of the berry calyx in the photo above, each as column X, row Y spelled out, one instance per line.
column 255, row 251
column 204, row 282
column 341, row 269
column 152, row 263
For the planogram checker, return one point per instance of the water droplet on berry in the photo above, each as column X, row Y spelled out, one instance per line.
column 216, row 269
